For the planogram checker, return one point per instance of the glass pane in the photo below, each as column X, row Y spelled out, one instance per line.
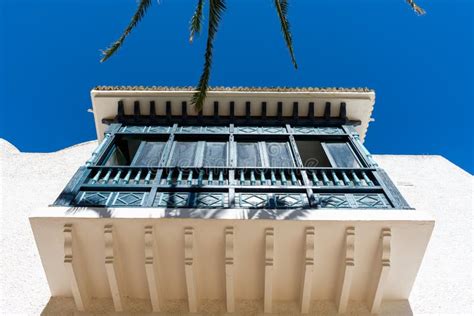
column 184, row 154
column 279, row 155
column 215, row 154
column 149, row 154
column 248, row 155
column 342, row 155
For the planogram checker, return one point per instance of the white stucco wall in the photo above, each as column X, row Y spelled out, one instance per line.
column 443, row 286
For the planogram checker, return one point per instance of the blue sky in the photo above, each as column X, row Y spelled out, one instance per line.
column 422, row 68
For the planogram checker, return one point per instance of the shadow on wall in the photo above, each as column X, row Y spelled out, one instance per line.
column 104, row 306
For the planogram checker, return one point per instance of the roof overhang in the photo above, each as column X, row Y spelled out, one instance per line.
column 359, row 102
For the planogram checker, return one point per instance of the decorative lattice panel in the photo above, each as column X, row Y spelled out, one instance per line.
column 93, row 198
column 318, row 130
column 173, row 199
column 371, row 201
column 334, row 201
column 291, row 200
column 211, row 200
column 203, row 130
column 252, row 200
column 129, row 199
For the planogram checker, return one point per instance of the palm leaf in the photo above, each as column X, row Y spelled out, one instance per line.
column 415, row 7
column 282, row 10
column 139, row 14
column 196, row 20
column 216, row 7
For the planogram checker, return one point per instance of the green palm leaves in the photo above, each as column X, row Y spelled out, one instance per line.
column 216, row 9
column 139, row 14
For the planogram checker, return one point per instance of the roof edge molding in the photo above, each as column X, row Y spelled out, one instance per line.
column 358, row 102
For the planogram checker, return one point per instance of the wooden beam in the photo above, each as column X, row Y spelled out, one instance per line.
column 232, row 110
column 308, row 270
column 74, row 269
column 112, row 267
column 189, row 267
column 216, row 110
column 344, row 294
column 151, row 268
column 385, row 245
column 311, row 111
column 327, row 111
column 269, row 256
column 229, row 269
column 184, row 110
column 136, row 109
column 295, row 110
column 247, row 111
column 264, row 110
column 152, row 109
column 168, row 111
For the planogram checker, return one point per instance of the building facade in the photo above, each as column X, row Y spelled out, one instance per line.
column 266, row 197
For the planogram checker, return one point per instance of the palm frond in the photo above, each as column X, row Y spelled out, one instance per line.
column 282, row 10
column 415, row 7
column 139, row 14
column 196, row 20
column 216, row 8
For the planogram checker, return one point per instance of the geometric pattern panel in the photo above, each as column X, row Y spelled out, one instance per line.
column 259, row 130
column 211, row 200
column 334, row 201
column 371, row 201
column 129, row 199
column 93, row 198
column 171, row 199
column 318, row 130
column 356, row 200
column 252, row 200
column 203, row 130
column 145, row 129
column 291, row 200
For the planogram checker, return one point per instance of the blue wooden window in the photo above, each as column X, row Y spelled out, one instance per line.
column 341, row 155
column 148, row 154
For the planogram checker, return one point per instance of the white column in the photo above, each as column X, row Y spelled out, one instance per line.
column 189, row 263
column 269, row 255
column 344, row 294
column 112, row 267
column 308, row 270
column 151, row 268
column 385, row 244
column 229, row 269
column 74, row 269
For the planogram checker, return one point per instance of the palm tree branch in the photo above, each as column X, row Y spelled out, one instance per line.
column 139, row 14
column 415, row 7
column 282, row 10
column 196, row 20
column 216, row 8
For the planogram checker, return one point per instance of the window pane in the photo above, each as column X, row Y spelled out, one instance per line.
column 184, row 154
column 215, row 154
column 342, row 156
column 149, row 154
column 279, row 155
column 248, row 155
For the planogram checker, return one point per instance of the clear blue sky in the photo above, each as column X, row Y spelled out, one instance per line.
column 421, row 67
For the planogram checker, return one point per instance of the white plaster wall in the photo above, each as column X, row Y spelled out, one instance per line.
column 444, row 283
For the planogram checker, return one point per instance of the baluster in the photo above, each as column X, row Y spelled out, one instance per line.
column 367, row 180
column 169, row 178
column 221, row 177
column 263, row 180
column 252, row 177
column 272, row 175
column 325, row 178
column 190, row 177
column 117, row 177
column 127, row 177
column 107, row 176
column 345, row 178
column 180, row 177
column 96, row 177
column 201, row 175
column 294, row 181
column 336, row 179
column 210, row 179
column 242, row 177
column 283, row 177
column 138, row 176
column 148, row 177
column 355, row 179
column 315, row 178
